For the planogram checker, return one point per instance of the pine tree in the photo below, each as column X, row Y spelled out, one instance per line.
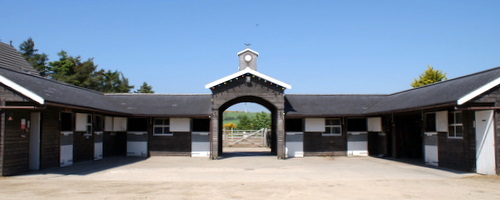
column 38, row 61
column 430, row 76
column 145, row 88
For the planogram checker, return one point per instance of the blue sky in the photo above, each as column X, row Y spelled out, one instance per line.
column 318, row 47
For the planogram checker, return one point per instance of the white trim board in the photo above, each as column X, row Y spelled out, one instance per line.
column 247, row 71
column 478, row 91
column 21, row 90
column 248, row 49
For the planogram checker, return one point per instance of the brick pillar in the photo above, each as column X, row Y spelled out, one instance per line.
column 214, row 135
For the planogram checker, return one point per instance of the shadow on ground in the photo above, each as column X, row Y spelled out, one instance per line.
column 89, row 167
column 231, row 152
column 420, row 163
column 245, row 154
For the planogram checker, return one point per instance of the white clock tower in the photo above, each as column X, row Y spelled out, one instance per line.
column 248, row 58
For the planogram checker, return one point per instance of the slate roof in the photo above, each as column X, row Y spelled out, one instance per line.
column 445, row 92
column 10, row 58
column 60, row 93
column 329, row 105
column 442, row 93
column 164, row 104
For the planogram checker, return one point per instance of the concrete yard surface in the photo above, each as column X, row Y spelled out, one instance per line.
column 248, row 177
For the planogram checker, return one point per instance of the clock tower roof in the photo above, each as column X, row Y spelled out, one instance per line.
column 248, row 50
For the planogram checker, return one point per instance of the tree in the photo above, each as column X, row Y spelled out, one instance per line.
column 261, row 120
column 38, row 61
column 245, row 123
column 430, row 75
column 72, row 70
column 145, row 88
column 27, row 48
column 110, row 82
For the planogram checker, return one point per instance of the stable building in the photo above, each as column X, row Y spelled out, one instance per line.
column 46, row 123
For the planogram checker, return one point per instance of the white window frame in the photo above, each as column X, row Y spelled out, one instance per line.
column 455, row 125
column 162, row 126
column 332, row 126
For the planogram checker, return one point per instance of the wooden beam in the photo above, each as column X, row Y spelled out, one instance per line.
column 479, row 108
column 21, row 107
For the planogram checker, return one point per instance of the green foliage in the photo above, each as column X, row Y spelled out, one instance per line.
column 38, row 61
column 430, row 76
column 261, row 120
column 110, row 82
column 145, row 88
column 74, row 71
column 248, row 121
column 245, row 123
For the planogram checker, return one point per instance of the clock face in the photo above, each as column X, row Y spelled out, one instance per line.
column 248, row 58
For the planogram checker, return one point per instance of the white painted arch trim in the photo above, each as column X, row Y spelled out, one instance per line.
column 21, row 90
column 247, row 71
column 478, row 91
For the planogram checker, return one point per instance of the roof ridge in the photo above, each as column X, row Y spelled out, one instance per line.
column 445, row 81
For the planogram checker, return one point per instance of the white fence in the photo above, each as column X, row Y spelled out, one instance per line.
column 245, row 138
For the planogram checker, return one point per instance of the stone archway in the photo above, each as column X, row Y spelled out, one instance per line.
column 248, row 88
column 248, row 85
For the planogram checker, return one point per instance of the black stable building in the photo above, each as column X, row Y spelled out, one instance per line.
column 44, row 123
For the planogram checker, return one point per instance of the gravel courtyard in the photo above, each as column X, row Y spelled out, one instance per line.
column 248, row 177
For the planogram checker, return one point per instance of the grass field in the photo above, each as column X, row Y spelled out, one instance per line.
column 234, row 116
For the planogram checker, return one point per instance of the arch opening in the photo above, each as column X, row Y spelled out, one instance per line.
column 250, row 138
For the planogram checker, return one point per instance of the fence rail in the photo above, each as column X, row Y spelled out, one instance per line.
column 245, row 138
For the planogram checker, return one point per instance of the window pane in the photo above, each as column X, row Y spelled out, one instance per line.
column 451, row 132
column 159, row 121
column 328, row 129
column 158, row 130
column 459, row 131
column 166, row 129
column 451, row 118
column 458, row 119
column 336, row 130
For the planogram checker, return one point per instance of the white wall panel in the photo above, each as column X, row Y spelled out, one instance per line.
column 442, row 121
column 81, row 122
column 315, row 125
column 108, row 123
column 374, row 124
column 119, row 124
column 98, row 150
column 180, row 124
